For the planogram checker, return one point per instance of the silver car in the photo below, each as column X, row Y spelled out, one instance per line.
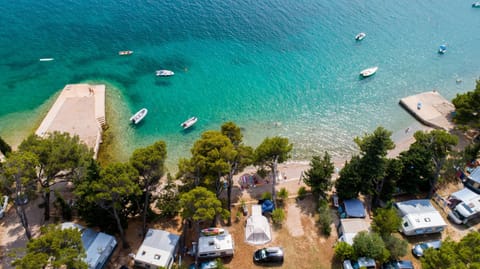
column 419, row 248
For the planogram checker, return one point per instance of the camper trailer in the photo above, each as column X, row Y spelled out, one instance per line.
column 159, row 249
column 98, row 246
column 419, row 217
column 214, row 246
column 464, row 205
column 349, row 228
column 472, row 181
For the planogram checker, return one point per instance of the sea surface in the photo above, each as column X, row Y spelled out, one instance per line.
column 274, row 67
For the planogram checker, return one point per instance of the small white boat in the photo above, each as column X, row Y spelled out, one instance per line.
column 46, row 59
column 476, row 4
column 164, row 73
column 369, row 71
column 135, row 119
column 442, row 49
column 360, row 36
column 125, row 52
column 189, row 123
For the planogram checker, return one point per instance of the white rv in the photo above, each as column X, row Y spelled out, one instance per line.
column 220, row 245
column 419, row 217
column 159, row 249
column 464, row 205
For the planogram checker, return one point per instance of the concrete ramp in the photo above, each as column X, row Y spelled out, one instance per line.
column 431, row 109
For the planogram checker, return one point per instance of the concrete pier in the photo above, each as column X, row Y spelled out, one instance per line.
column 79, row 110
column 431, row 109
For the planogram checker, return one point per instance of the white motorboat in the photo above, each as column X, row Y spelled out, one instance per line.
column 125, row 52
column 135, row 119
column 476, row 4
column 442, row 49
column 164, row 73
column 369, row 71
column 189, row 123
column 360, row 36
column 46, row 59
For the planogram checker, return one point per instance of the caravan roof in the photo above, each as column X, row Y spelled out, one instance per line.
column 98, row 246
column 475, row 175
column 157, row 248
column 215, row 243
column 420, row 206
column 354, row 208
column 464, row 195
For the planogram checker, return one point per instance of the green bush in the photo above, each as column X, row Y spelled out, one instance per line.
column 266, row 196
column 302, row 192
column 325, row 218
column 283, row 194
column 278, row 216
column 343, row 251
column 282, row 197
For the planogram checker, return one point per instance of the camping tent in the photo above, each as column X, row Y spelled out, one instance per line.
column 267, row 206
column 257, row 230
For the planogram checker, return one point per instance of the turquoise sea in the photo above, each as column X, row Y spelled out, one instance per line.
column 275, row 67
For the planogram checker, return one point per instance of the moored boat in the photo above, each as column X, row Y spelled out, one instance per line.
column 46, row 59
column 189, row 123
column 360, row 36
column 135, row 119
column 369, row 71
column 125, row 52
column 164, row 73
column 442, row 49
column 476, row 4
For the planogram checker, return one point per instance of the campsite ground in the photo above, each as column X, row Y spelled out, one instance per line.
column 299, row 235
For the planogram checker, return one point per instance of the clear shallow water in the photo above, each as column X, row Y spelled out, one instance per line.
column 282, row 67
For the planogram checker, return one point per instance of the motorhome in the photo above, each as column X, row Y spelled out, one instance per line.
column 419, row 217
column 159, row 249
column 464, row 206
column 220, row 245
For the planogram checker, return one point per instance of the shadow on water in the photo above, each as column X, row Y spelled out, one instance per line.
column 163, row 82
column 188, row 130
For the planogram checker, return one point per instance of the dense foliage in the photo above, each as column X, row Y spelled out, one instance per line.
column 271, row 152
column 386, row 221
column 371, row 245
column 60, row 157
column 467, row 107
column 4, row 147
column 200, row 205
column 454, row 255
column 150, row 164
column 55, row 247
column 319, row 176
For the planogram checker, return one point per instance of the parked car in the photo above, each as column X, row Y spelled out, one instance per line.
column 205, row 265
column 419, row 248
column 270, row 255
column 398, row 265
column 360, row 263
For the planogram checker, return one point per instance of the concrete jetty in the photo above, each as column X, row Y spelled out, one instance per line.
column 431, row 109
column 79, row 110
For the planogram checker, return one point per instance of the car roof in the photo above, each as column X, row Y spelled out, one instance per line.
column 433, row 243
column 273, row 249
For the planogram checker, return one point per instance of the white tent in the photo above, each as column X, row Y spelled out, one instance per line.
column 257, row 230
